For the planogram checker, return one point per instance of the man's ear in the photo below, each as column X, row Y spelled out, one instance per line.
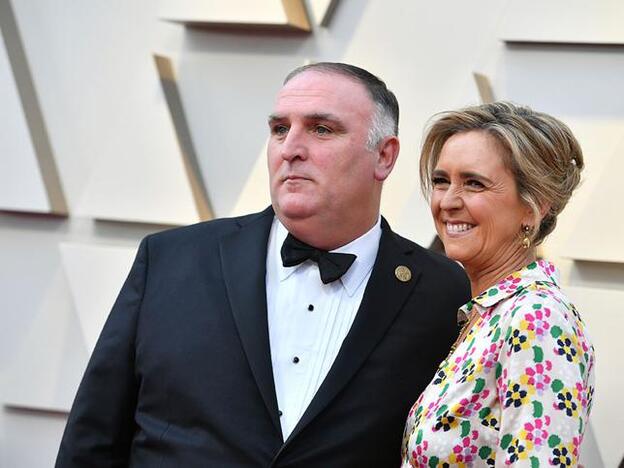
column 386, row 153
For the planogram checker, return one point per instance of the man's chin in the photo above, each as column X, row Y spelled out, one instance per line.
column 293, row 208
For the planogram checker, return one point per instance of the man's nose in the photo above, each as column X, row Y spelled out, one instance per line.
column 294, row 145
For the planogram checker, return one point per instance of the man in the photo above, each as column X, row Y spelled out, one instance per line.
column 235, row 343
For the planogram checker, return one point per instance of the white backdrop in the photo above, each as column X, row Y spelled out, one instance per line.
column 119, row 160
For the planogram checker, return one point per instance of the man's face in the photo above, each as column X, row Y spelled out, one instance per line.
column 319, row 165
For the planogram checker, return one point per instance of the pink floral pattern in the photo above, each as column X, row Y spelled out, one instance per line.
column 517, row 391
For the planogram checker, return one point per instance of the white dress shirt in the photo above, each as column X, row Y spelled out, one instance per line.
column 308, row 320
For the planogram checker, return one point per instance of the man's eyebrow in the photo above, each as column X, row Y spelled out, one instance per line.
column 322, row 116
column 274, row 117
column 314, row 116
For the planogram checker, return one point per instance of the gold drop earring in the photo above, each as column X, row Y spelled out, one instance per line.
column 526, row 239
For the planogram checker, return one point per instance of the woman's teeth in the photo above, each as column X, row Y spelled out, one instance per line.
column 458, row 227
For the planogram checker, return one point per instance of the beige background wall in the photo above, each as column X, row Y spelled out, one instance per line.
column 119, row 158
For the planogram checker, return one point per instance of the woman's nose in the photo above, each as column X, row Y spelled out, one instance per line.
column 451, row 200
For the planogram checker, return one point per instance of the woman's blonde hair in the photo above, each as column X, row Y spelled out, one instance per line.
column 542, row 154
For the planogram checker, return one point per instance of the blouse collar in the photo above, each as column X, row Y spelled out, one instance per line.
column 538, row 272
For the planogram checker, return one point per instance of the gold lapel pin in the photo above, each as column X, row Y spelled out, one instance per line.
column 403, row 273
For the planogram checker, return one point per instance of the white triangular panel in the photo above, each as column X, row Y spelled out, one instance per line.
column 322, row 10
column 21, row 184
column 95, row 274
column 564, row 21
column 48, row 367
column 255, row 195
column 599, row 226
column 219, row 11
column 602, row 311
column 250, row 13
column 139, row 173
column 415, row 221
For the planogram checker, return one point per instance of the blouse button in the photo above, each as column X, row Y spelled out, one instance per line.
column 295, row 359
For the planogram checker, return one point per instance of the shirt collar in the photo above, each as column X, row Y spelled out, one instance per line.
column 364, row 247
column 538, row 272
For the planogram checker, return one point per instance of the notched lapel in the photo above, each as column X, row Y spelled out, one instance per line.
column 384, row 297
column 243, row 260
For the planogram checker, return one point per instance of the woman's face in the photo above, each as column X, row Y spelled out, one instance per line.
column 475, row 204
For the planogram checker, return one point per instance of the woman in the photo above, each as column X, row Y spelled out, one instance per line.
column 517, row 385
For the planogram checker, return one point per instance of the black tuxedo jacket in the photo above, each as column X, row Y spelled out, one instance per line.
column 181, row 375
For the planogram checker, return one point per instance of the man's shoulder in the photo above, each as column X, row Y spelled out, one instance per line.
column 431, row 261
column 206, row 231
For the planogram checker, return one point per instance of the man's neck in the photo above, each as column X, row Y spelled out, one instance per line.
column 327, row 235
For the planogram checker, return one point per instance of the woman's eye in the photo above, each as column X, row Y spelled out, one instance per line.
column 475, row 184
column 437, row 181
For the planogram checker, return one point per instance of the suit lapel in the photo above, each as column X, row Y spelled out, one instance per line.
column 384, row 297
column 243, row 260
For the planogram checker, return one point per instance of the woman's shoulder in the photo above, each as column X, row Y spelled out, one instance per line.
column 541, row 318
column 546, row 304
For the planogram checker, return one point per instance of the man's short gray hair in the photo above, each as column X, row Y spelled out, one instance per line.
column 385, row 118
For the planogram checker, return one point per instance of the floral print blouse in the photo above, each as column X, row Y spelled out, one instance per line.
column 517, row 390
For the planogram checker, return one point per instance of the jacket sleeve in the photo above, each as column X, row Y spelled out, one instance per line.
column 101, row 423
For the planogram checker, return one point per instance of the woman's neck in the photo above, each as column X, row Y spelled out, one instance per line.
column 484, row 277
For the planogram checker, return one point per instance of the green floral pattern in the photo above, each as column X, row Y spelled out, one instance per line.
column 517, row 391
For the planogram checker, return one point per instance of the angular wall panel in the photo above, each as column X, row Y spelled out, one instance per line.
column 255, row 195
column 187, row 149
column 486, row 93
column 146, row 178
column 603, row 313
column 322, row 10
column 284, row 14
column 415, row 221
column 95, row 274
column 48, row 366
column 599, row 229
column 29, row 179
column 564, row 21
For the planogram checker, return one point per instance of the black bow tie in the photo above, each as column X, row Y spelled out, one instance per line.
column 331, row 265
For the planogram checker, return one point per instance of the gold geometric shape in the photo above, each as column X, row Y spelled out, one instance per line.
column 15, row 164
column 484, row 87
column 248, row 14
column 183, row 134
column 322, row 11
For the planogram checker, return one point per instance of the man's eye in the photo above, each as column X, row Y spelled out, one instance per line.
column 322, row 130
column 439, row 181
column 279, row 129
